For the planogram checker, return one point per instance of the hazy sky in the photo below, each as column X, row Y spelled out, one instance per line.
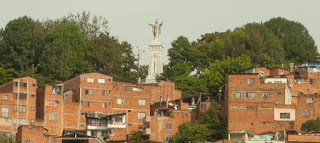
column 191, row 18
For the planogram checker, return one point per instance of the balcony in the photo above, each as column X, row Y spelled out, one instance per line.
column 90, row 127
column 146, row 131
column 117, row 125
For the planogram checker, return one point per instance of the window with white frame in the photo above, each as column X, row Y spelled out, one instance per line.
column 101, row 80
column 104, row 105
column 22, row 121
column 168, row 126
column 250, row 81
column 309, row 100
column 141, row 115
column 90, row 80
column 104, row 92
column 53, row 129
column 238, row 94
column 5, row 111
column 53, row 116
column 284, row 115
column 250, row 95
column 4, row 97
column 20, row 108
column 120, row 101
column 142, row 102
column 52, row 103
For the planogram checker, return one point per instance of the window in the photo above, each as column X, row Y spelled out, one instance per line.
column 283, row 73
column 142, row 102
column 140, row 127
column 52, row 103
column 120, row 101
column 312, row 81
column 22, row 108
column 21, row 95
column 86, row 104
column 118, row 120
column 306, row 113
column 4, row 97
column 104, row 92
column 104, row 105
column 309, row 100
column 141, row 115
column 5, row 111
column 23, row 84
column 57, row 90
column 33, row 95
column 168, row 138
column 88, row 92
column 264, row 95
column 250, row 81
column 33, row 108
column 250, row 95
column 168, row 126
column 238, row 94
column 203, row 106
column 279, row 93
column 284, row 115
column 94, row 133
column 111, row 132
column 101, row 80
column 125, row 88
column 53, row 129
column 90, row 80
column 53, row 116
column 22, row 121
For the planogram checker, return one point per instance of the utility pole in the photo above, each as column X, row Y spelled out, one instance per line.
column 139, row 52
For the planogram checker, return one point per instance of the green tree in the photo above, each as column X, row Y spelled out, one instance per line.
column 263, row 47
column 179, row 51
column 65, row 53
column 296, row 41
column 311, row 125
column 192, row 132
column 136, row 137
column 6, row 139
column 215, row 123
column 5, row 74
column 18, row 48
column 217, row 73
column 108, row 56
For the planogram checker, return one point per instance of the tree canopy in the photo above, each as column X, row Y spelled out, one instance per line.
column 54, row 50
column 215, row 55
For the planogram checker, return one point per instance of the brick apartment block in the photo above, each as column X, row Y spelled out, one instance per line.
column 88, row 105
column 264, row 102
column 18, row 104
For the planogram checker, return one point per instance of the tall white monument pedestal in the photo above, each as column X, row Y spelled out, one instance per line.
column 155, row 64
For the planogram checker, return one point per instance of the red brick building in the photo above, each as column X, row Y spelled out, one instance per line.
column 18, row 104
column 262, row 102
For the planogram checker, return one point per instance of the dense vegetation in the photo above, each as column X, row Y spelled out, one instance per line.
column 311, row 125
column 55, row 50
column 212, row 127
column 203, row 65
